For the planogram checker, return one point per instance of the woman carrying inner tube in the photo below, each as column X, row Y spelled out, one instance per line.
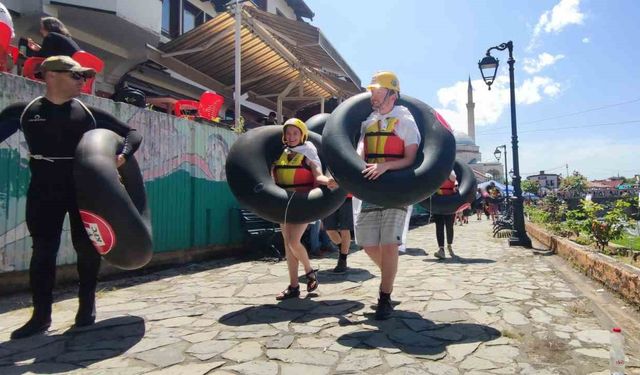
column 298, row 169
column 445, row 221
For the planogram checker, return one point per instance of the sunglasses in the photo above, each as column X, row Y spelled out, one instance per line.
column 74, row 75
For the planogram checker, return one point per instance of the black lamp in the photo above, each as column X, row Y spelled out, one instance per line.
column 488, row 68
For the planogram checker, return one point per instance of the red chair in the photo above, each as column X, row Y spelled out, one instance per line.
column 210, row 104
column 88, row 60
column 31, row 67
column 185, row 105
column 5, row 39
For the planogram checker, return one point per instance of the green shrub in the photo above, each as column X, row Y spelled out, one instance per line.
column 610, row 227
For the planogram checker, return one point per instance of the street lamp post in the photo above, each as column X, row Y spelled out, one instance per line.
column 488, row 68
column 497, row 153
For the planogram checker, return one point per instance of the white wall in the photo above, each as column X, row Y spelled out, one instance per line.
column 106, row 5
column 23, row 6
column 144, row 13
column 282, row 6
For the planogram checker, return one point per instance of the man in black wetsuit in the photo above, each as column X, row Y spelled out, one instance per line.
column 53, row 125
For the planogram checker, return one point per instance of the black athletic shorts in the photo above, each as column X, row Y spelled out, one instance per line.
column 341, row 219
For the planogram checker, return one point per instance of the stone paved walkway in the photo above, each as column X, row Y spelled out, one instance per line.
column 496, row 310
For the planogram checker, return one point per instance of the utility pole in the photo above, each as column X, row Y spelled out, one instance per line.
column 567, row 166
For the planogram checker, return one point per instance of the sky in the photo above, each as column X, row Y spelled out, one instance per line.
column 577, row 71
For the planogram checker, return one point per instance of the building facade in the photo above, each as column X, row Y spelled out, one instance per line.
column 546, row 181
column 128, row 35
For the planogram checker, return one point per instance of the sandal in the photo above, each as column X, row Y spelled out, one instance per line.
column 312, row 280
column 290, row 292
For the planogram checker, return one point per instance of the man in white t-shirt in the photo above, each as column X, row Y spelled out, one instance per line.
column 389, row 140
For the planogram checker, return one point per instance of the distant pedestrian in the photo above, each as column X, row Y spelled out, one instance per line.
column 445, row 221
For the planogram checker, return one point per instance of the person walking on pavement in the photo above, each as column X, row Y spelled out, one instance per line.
column 389, row 141
column 445, row 221
column 298, row 169
column 53, row 125
column 339, row 226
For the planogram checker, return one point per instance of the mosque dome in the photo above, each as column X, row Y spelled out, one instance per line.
column 463, row 140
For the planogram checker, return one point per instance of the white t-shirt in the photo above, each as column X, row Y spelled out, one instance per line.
column 5, row 17
column 406, row 128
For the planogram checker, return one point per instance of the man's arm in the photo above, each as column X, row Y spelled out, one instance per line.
column 132, row 138
column 10, row 120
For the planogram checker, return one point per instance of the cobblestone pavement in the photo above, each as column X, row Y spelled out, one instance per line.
column 495, row 310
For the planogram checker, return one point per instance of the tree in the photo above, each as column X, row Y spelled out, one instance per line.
column 530, row 186
column 576, row 183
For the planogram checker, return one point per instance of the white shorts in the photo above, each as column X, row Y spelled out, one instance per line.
column 380, row 226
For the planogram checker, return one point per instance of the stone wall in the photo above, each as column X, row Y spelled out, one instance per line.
column 617, row 276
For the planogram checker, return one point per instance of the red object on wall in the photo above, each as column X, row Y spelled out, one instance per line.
column 31, row 67
column 210, row 104
column 88, row 60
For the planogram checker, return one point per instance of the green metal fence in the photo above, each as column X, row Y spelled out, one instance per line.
column 183, row 167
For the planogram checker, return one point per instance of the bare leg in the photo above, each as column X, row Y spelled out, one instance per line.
column 345, row 236
column 374, row 253
column 294, row 234
column 334, row 235
column 292, row 261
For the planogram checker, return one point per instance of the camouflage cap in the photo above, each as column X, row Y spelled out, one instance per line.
column 65, row 64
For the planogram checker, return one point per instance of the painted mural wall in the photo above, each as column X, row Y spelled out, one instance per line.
column 183, row 168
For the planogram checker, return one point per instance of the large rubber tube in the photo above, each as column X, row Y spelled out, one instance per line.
column 397, row 188
column 449, row 204
column 248, row 169
column 317, row 122
column 112, row 202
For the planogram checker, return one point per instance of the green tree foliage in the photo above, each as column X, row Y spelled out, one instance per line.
column 576, row 183
column 610, row 226
column 530, row 186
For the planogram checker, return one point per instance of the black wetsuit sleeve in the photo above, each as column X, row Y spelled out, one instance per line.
column 10, row 120
column 132, row 138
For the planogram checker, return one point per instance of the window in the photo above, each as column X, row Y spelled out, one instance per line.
column 180, row 16
column 261, row 4
column 170, row 18
column 190, row 17
column 165, row 16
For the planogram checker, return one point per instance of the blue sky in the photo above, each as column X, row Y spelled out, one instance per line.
column 577, row 71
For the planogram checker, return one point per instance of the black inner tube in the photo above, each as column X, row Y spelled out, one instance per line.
column 112, row 201
column 248, row 170
column 449, row 204
column 317, row 122
column 396, row 188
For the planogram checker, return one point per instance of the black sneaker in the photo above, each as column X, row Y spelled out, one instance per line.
column 34, row 326
column 384, row 310
column 341, row 267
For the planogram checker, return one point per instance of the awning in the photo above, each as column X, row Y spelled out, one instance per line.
column 296, row 67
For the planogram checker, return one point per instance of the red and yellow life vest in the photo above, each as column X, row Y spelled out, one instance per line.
column 293, row 174
column 447, row 188
column 380, row 144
